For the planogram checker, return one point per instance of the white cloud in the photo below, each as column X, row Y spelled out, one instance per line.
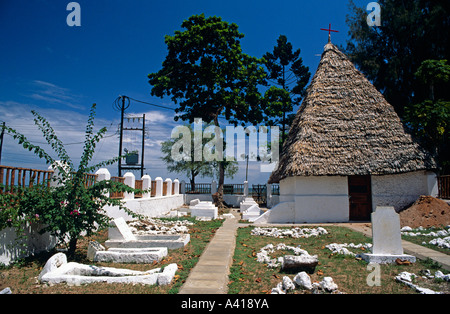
column 51, row 93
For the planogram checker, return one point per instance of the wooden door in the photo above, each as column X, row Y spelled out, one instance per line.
column 360, row 197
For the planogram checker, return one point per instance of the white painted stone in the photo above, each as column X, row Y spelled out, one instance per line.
column 387, row 242
column 194, row 202
column 288, row 284
column 119, row 230
column 131, row 255
column 247, row 203
column 204, row 209
column 328, row 284
column 57, row 270
column 304, row 261
column 252, row 213
column 53, row 263
column 303, row 281
column 386, row 232
column 167, row 275
column 93, row 248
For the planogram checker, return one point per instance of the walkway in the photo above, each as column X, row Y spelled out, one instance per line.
column 210, row 275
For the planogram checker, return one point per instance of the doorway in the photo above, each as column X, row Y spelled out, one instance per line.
column 360, row 197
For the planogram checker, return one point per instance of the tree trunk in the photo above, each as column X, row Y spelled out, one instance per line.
column 192, row 181
column 72, row 246
column 220, row 202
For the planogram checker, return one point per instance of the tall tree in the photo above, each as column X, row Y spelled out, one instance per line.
column 389, row 55
column 429, row 119
column 289, row 77
column 206, row 73
column 185, row 163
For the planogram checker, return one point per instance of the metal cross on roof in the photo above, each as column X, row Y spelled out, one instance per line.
column 329, row 30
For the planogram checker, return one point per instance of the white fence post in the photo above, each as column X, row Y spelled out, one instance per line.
column 169, row 187
column 214, row 187
column 176, row 187
column 159, row 187
column 183, row 187
column 57, row 179
column 146, row 184
column 130, row 181
column 245, row 189
column 103, row 174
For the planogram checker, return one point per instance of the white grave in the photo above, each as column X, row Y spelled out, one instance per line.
column 252, row 213
column 98, row 253
column 58, row 270
column 120, row 236
column 247, row 203
column 204, row 209
column 119, row 230
column 386, row 236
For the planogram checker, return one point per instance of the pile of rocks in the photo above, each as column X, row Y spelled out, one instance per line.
column 157, row 226
column 289, row 233
column 302, row 281
column 302, row 259
column 341, row 249
column 441, row 236
column 408, row 278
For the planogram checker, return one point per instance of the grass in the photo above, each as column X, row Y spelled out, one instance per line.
column 21, row 276
column 247, row 275
column 251, row 277
column 421, row 239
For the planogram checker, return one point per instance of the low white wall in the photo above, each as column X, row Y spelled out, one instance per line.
column 232, row 200
column 401, row 190
column 150, row 207
column 12, row 248
column 317, row 199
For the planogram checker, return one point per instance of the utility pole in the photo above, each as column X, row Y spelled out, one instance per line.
column 1, row 141
column 122, row 107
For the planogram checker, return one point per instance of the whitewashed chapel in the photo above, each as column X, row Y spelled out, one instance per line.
column 347, row 152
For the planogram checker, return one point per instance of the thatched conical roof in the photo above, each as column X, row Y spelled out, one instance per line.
column 346, row 127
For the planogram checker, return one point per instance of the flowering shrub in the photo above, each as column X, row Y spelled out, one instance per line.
column 70, row 208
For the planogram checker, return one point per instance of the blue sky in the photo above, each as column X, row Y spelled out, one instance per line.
column 60, row 71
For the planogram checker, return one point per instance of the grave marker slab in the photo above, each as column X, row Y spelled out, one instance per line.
column 387, row 241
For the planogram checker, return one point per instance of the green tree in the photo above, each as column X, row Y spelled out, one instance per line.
column 429, row 119
column 187, row 166
column 71, row 208
column 206, row 73
column 290, row 77
column 389, row 55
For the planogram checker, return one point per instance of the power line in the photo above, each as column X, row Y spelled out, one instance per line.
column 158, row 106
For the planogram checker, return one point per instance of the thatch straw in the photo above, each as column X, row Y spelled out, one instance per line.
column 346, row 127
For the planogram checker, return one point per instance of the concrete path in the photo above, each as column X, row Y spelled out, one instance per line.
column 418, row 251
column 210, row 275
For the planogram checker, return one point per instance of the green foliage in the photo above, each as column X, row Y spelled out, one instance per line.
column 70, row 208
column 410, row 33
column 188, row 165
column 290, row 77
column 206, row 73
column 429, row 119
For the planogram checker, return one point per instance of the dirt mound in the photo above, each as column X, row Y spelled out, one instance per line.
column 427, row 212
